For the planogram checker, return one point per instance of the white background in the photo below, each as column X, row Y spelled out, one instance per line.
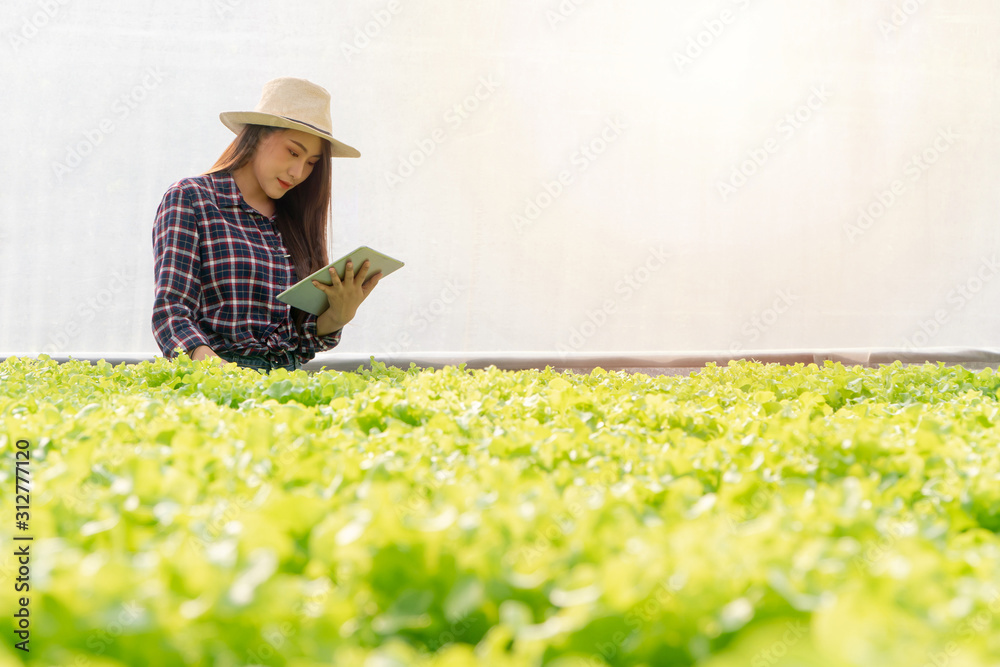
column 640, row 250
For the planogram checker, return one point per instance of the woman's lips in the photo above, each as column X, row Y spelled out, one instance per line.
column 284, row 184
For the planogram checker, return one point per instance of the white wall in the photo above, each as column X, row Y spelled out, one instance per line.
column 138, row 87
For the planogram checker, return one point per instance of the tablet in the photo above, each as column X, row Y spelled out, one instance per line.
column 305, row 296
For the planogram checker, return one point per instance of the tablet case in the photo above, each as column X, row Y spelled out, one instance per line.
column 305, row 296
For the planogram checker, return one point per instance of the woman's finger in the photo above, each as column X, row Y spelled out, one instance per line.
column 371, row 283
column 323, row 287
column 359, row 279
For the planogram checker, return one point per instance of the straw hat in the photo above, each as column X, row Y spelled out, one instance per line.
column 295, row 104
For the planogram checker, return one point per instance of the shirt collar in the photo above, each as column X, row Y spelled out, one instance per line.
column 226, row 192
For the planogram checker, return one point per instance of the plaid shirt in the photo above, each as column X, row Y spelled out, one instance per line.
column 219, row 263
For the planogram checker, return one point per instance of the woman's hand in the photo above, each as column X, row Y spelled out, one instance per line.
column 344, row 297
column 205, row 352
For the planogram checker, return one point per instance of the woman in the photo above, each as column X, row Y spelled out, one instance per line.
column 228, row 241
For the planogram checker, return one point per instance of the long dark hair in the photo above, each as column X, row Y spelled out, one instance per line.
column 301, row 216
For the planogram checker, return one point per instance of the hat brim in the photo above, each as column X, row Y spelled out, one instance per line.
column 235, row 120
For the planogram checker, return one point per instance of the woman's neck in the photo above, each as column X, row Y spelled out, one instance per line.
column 252, row 193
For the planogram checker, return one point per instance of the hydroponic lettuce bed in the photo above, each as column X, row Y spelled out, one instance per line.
column 189, row 514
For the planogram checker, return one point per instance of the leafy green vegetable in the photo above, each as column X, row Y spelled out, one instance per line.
column 190, row 514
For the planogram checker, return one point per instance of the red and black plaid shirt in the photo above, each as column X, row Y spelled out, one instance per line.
column 219, row 263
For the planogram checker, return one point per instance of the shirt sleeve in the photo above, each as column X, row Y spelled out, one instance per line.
column 310, row 343
column 177, row 268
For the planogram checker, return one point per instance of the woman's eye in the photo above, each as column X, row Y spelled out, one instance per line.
column 294, row 154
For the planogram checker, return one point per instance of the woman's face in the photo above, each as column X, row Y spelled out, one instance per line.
column 284, row 159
